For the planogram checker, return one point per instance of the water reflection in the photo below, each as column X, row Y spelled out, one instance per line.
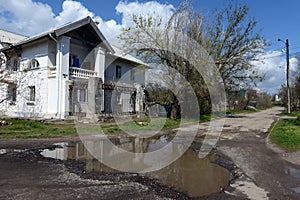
column 4, row 151
column 295, row 173
column 197, row 177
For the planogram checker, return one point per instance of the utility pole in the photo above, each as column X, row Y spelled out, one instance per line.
column 287, row 73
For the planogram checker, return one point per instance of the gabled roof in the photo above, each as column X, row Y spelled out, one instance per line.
column 125, row 56
column 10, row 37
column 86, row 25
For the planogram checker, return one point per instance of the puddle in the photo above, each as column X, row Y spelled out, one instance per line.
column 197, row 177
column 292, row 172
column 4, row 151
column 295, row 173
column 296, row 189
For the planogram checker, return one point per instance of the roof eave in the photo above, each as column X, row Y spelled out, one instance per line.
column 140, row 64
column 62, row 30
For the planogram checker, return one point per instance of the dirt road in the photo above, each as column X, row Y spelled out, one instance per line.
column 266, row 174
column 262, row 172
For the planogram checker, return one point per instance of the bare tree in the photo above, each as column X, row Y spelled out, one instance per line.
column 233, row 42
column 229, row 38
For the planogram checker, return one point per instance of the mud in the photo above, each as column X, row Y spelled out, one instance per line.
column 29, row 175
column 257, row 170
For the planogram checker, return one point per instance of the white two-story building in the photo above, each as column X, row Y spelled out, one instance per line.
column 69, row 71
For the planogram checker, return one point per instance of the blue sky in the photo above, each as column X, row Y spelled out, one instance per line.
column 276, row 19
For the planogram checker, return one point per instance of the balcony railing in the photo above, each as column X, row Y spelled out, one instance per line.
column 82, row 73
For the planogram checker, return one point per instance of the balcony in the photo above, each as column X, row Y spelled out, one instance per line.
column 82, row 73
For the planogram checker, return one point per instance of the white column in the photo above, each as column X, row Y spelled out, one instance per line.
column 63, row 74
column 140, row 97
column 100, row 68
column 100, row 62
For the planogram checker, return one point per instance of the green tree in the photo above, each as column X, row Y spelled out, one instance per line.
column 294, row 94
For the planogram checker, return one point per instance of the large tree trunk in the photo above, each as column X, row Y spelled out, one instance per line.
column 175, row 108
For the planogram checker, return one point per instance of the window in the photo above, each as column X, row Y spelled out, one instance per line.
column 34, row 64
column 118, row 97
column 16, row 64
column 31, row 93
column 12, row 92
column 82, row 95
column 118, row 71
column 132, row 74
column 74, row 61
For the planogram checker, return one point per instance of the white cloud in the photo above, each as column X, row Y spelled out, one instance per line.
column 25, row 17
column 294, row 64
column 72, row 11
column 29, row 18
column 163, row 11
column 273, row 65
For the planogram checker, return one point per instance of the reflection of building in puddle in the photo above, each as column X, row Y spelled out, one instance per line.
column 197, row 177
column 4, row 151
column 190, row 174
column 124, row 153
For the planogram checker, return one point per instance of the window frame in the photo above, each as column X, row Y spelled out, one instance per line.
column 82, row 95
column 34, row 64
column 12, row 92
column 16, row 64
column 118, row 71
column 31, row 94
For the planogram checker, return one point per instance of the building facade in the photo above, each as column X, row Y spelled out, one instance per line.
column 69, row 71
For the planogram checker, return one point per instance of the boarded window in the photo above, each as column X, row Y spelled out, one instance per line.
column 82, row 95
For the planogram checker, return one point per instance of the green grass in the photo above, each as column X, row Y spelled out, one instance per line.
column 231, row 112
column 35, row 129
column 286, row 133
column 143, row 125
column 136, row 125
column 295, row 113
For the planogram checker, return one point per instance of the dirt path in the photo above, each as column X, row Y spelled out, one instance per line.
column 266, row 174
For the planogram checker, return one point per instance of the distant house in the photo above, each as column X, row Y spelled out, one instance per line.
column 69, row 71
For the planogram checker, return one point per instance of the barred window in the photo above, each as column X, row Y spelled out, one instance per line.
column 31, row 93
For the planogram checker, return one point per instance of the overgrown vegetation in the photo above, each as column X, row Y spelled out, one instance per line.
column 286, row 132
column 294, row 93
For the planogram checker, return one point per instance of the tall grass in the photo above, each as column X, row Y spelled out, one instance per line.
column 286, row 133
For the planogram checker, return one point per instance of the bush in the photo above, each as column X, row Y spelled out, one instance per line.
column 297, row 122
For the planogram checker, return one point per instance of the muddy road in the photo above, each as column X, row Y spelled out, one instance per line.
column 257, row 169
column 266, row 172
